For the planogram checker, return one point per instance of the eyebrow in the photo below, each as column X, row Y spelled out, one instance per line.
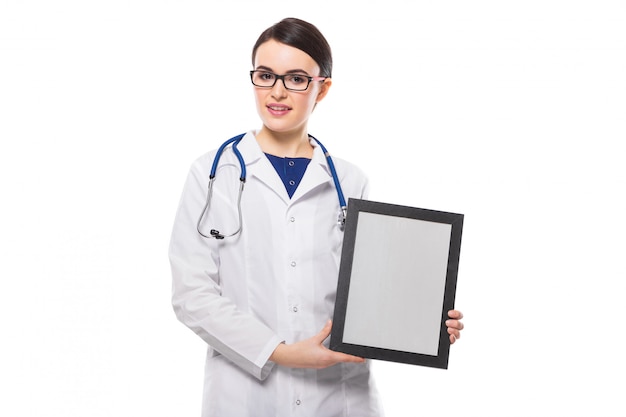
column 293, row 71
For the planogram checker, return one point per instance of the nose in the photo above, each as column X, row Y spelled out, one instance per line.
column 279, row 90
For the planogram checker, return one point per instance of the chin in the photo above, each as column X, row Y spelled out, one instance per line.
column 281, row 127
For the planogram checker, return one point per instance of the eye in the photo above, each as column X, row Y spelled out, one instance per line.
column 266, row 76
column 298, row 79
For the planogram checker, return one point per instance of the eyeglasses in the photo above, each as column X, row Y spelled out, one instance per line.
column 293, row 82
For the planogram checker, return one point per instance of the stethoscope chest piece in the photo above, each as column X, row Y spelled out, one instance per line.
column 341, row 219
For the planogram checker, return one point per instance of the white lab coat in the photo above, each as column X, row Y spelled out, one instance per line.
column 275, row 281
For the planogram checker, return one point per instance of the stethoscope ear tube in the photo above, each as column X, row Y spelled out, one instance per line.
column 242, row 179
column 205, row 209
column 216, row 233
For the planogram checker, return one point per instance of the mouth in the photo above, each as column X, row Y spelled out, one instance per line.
column 278, row 109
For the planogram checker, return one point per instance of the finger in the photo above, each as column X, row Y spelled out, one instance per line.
column 455, row 314
column 354, row 359
column 454, row 332
column 452, row 339
column 455, row 324
column 344, row 357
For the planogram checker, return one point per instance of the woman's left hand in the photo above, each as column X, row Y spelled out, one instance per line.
column 454, row 325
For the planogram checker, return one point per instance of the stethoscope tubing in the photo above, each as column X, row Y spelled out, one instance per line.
column 242, row 179
column 235, row 141
column 333, row 171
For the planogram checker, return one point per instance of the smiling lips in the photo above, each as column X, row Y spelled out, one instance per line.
column 278, row 109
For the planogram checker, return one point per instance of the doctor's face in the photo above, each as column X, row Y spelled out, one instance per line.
column 280, row 109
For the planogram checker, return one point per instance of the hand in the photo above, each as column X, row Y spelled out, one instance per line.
column 454, row 325
column 311, row 353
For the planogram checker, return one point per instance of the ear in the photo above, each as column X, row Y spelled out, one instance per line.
column 324, row 87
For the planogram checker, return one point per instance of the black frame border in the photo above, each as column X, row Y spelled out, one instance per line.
column 355, row 206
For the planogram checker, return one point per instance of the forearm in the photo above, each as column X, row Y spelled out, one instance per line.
column 310, row 353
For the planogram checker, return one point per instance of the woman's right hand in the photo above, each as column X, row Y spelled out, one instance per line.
column 311, row 353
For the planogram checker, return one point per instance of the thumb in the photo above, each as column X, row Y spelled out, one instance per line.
column 325, row 332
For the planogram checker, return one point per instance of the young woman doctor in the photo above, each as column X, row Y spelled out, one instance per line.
column 262, row 299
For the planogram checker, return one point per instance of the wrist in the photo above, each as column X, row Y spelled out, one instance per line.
column 279, row 353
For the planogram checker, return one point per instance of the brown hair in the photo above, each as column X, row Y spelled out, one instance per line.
column 301, row 35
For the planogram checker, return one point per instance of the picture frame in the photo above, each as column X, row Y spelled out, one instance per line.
column 397, row 282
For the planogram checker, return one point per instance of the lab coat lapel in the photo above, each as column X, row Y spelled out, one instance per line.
column 260, row 167
column 317, row 173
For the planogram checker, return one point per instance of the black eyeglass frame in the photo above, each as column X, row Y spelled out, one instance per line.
column 282, row 77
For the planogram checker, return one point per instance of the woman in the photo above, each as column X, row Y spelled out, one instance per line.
column 262, row 298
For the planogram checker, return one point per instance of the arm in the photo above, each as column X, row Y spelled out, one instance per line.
column 311, row 353
column 196, row 292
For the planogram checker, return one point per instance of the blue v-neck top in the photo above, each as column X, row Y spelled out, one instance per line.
column 290, row 171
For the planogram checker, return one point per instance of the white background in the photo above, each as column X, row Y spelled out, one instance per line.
column 512, row 113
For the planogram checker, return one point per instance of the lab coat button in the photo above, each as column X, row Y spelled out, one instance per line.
column 293, row 263
column 292, row 219
column 295, row 309
column 298, row 402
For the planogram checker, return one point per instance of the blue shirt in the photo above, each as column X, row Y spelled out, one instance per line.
column 290, row 171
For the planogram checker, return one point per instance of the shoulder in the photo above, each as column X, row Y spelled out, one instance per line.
column 204, row 162
column 352, row 178
column 348, row 168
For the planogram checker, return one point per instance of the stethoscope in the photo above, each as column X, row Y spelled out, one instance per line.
column 242, row 179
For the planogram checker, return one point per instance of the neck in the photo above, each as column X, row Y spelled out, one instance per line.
column 285, row 144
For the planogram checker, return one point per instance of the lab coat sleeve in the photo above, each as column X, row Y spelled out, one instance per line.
column 196, row 294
